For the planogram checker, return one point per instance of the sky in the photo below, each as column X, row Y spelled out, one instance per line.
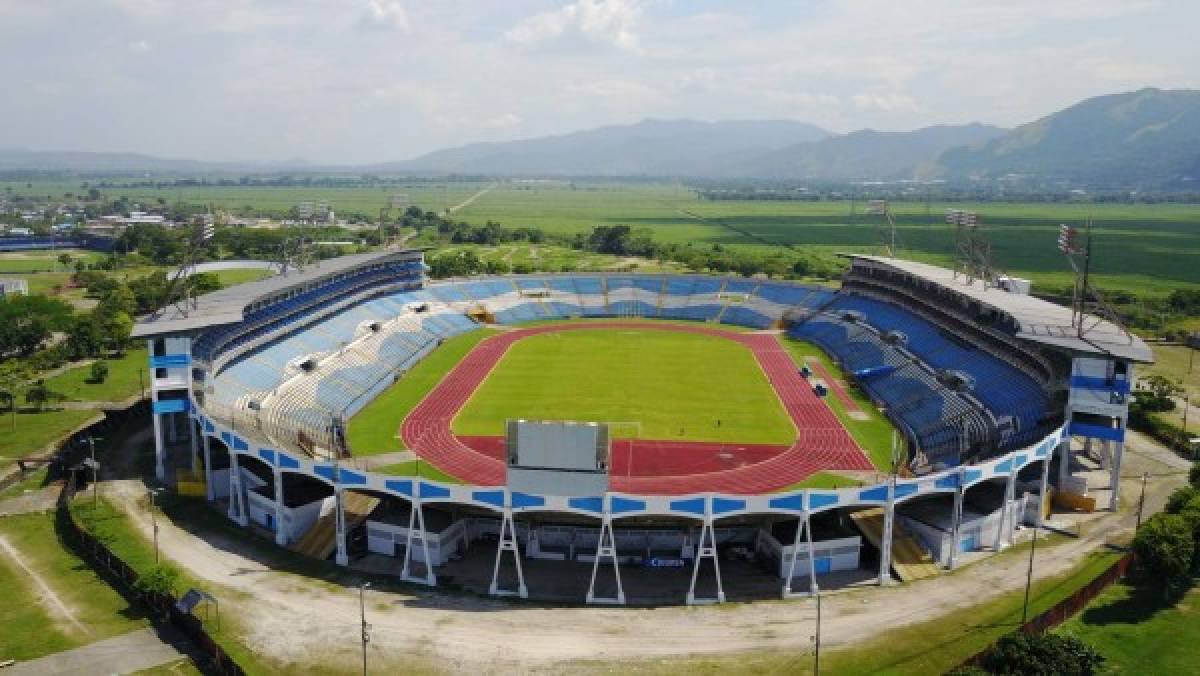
column 361, row 81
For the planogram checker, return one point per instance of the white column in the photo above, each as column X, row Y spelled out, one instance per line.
column 210, row 492
column 1009, row 490
column 194, row 443
column 954, row 530
column 1064, row 461
column 812, row 556
column 1115, row 475
column 1045, row 487
column 706, row 548
column 508, row 543
column 885, row 545
column 237, row 499
column 160, row 467
column 281, row 534
column 606, row 546
column 801, row 523
column 416, row 530
column 342, row 557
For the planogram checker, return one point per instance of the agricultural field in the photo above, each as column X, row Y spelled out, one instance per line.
column 1144, row 249
column 558, row 258
column 678, row 386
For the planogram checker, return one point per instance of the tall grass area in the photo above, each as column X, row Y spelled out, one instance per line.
column 678, row 386
column 1139, row 633
column 28, row 627
column 374, row 429
column 874, row 433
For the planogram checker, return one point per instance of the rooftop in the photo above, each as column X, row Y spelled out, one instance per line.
column 226, row 305
column 1039, row 321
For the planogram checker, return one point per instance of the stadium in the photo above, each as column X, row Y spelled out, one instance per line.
column 636, row 438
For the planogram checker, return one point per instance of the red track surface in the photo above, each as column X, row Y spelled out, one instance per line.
column 658, row 467
column 838, row 390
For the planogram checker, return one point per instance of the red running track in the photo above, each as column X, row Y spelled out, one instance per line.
column 838, row 390
column 658, row 467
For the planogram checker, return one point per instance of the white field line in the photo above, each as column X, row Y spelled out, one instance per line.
column 47, row 593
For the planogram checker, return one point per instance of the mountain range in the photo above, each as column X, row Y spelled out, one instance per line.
column 1144, row 139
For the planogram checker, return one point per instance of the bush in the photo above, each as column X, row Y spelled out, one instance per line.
column 1164, row 549
column 98, row 372
column 1194, row 475
column 1020, row 653
column 158, row 580
column 1180, row 498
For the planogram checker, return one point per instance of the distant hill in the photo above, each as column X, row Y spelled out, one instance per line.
column 19, row 158
column 1146, row 138
column 866, row 154
column 647, row 148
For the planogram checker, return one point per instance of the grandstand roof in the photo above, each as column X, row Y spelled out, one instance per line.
column 226, row 305
column 1040, row 321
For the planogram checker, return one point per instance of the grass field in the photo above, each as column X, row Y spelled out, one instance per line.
column 236, row 276
column 373, row 430
column 30, row 628
column 33, row 431
column 677, row 385
column 123, row 379
column 1140, row 634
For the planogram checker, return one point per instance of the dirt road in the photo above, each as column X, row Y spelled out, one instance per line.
column 295, row 619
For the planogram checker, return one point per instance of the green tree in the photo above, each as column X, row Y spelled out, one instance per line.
column 38, row 395
column 117, row 327
column 1164, row 549
column 118, row 300
column 65, row 259
column 1037, row 654
column 98, row 372
column 1194, row 475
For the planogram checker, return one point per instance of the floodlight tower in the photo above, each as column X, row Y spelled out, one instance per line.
column 178, row 291
column 1086, row 300
column 973, row 253
column 887, row 226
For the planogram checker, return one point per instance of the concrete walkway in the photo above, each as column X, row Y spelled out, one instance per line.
column 40, row 500
column 130, row 652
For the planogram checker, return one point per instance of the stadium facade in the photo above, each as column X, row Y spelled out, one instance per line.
column 253, row 384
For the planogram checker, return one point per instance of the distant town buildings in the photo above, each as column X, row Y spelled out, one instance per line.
column 13, row 287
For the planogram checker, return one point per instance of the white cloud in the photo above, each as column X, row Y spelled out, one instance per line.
column 388, row 14
column 611, row 22
column 139, row 46
column 501, row 122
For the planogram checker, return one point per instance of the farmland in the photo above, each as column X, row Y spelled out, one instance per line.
column 1145, row 249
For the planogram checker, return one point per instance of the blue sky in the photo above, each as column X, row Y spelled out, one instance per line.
column 375, row 80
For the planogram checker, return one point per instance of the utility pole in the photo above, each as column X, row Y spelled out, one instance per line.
column 366, row 628
column 817, row 637
column 1029, row 576
column 95, row 474
column 1141, row 502
column 154, row 520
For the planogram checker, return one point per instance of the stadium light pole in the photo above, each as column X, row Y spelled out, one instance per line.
column 1141, row 502
column 366, row 636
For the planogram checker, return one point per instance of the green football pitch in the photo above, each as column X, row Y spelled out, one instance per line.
column 676, row 386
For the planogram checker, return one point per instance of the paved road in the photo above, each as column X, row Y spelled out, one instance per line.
column 134, row 651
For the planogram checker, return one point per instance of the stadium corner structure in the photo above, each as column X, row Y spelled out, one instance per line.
column 253, row 384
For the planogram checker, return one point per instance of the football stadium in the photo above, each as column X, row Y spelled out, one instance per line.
column 637, row 438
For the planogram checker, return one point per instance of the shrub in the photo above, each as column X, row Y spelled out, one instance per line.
column 98, row 372
column 1058, row 654
column 1194, row 475
column 158, row 580
column 1164, row 549
column 1180, row 498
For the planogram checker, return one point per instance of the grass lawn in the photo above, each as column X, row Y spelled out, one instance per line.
column 677, row 385
column 241, row 275
column 822, row 480
column 1139, row 633
column 122, row 381
column 412, row 467
column 30, row 628
column 874, row 434
column 373, row 429
column 32, row 482
column 34, row 431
